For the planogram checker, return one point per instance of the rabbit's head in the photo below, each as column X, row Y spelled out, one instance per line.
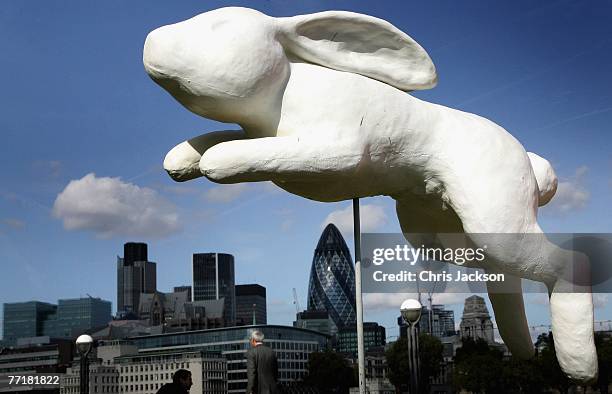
column 233, row 62
column 218, row 62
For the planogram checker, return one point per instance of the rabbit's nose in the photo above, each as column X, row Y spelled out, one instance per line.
column 158, row 49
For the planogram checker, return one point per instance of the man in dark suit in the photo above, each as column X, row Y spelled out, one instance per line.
column 262, row 367
column 181, row 383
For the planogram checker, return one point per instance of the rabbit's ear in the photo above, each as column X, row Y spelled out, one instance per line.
column 361, row 44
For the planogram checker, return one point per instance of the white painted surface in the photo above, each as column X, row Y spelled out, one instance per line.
column 322, row 104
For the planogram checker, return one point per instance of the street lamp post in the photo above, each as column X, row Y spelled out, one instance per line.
column 411, row 313
column 84, row 345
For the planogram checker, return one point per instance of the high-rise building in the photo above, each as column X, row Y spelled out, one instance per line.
column 442, row 322
column 188, row 289
column 80, row 314
column 332, row 279
column 476, row 321
column 135, row 275
column 26, row 319
column 66, row 320
column 374, row 336
column 251, row 304
column 313, row 320
column 213, row 279
column 134, row 251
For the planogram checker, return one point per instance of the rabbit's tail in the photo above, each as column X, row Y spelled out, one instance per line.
column 545, row 176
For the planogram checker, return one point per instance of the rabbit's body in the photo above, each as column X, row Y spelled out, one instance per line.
column 322, row 104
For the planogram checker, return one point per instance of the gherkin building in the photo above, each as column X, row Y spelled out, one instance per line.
column 332, row 279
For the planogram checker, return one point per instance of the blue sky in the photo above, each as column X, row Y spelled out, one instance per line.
column 77, row 102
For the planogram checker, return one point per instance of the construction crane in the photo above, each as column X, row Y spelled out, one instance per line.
column 298, row 309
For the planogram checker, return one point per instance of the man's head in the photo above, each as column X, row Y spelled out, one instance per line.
column 182, row 377
column 257, row 338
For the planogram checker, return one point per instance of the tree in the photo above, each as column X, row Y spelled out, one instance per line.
column 479, row 368
column 603, row 343
column 547, row 359
column 329, row 372
column 430, row 354
column 523, row 376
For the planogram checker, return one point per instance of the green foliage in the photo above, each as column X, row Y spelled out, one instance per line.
column 604, row 359
column 549, row 366
column 478, row 368
column 329, row 372
column 430, row 353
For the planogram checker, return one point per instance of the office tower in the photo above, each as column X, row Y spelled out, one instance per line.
column 135, row 275
column 179, row 289
column 443, row 322
column 476, row 322
column 26, row 319
column 251, row 304
column 79, row 314
column 332, row 279
column 134, row 251
column 213, row 279
column 313, row 320
column 374, row 336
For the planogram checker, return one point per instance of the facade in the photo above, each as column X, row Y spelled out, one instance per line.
column 26, row 319
column 135, row 275
column 135, row 251
column 104, row 375
column 476, row 321
column 443, row 322
column 173, row 311
column 160, row 308
column 292, row 347
column 79, row 314
column 313, row 320
column 188, row 289
column 213, row 279
column 374, row 336
column 146, row 373
column 47, row 356
column 332, row 279
column 65, row 320
column 251, row 304
column 102, row 379
column 376, row 386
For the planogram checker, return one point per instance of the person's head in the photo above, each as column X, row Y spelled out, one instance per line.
column 257, row 338
column 183, row 378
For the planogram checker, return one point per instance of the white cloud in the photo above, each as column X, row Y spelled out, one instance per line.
column 226, row 193
column 372, row 217
column 571, row 192
column 111, row 207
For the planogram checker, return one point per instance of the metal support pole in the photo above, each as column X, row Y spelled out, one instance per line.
column 358, row 297
column 413, row 358
column 84, row 374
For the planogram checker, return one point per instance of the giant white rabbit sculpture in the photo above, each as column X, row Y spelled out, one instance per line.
column 322, row 103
